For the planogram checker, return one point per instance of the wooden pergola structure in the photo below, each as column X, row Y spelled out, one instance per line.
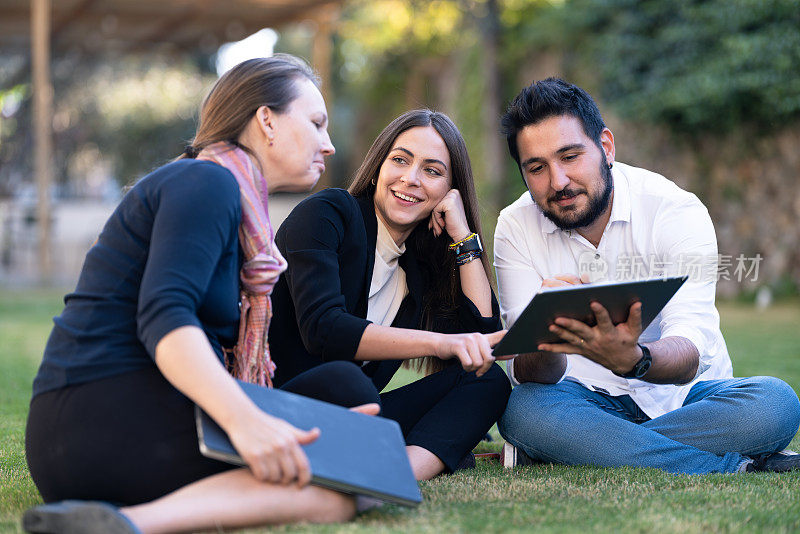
column 40, row 28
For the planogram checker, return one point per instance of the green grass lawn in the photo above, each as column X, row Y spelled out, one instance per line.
column 544, row 498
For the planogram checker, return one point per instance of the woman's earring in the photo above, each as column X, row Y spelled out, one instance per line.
column 373, row 182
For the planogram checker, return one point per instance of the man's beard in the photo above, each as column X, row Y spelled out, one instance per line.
column 597, row 205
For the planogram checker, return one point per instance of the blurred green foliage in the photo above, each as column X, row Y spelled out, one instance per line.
column 697, row 67
column 384, row 46
column 122, row 116
column 161, row 102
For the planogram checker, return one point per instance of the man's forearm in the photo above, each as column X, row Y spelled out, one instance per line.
column 675, row 361
column 542, row 367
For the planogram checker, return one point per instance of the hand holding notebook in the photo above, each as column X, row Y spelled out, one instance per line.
column 353, row 453
column 271, row 448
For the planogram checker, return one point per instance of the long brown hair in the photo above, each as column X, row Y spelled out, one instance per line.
column 238, row 94
column 440, row 302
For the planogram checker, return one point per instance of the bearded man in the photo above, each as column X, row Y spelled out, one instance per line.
column 612, row 394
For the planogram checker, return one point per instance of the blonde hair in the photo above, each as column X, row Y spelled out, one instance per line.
column 238, row 94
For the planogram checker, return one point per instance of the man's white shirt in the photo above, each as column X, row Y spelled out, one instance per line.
column 656, row 229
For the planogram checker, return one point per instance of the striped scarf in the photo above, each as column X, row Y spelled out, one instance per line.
column 262, row 266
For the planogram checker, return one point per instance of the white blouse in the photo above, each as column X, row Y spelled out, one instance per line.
column 388, row 287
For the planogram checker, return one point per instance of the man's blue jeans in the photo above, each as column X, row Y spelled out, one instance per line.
column 720, row 424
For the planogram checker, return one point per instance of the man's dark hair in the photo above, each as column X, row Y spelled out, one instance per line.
column 550, row 98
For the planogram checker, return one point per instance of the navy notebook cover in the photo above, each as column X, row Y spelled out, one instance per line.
column 355, row 453
column 532, row 327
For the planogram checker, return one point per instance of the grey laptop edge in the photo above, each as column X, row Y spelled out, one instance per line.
column 532, row 326
column 355, row 453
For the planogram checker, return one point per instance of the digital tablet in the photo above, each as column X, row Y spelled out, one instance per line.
column 532, row 327
column 355, row 453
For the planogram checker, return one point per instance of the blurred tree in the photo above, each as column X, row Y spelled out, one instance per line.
column 14, row 104
column 145, row 112
column 394, row 56
column 447, row 55
column 706, row 92
column 696, row 66
column 124, row 115
column 489, row 24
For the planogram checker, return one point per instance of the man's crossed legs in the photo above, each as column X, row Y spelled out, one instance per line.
column 721, row 426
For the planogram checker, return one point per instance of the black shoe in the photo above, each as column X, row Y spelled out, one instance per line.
column 77, row 517
column 777, row 462
column 467, row 462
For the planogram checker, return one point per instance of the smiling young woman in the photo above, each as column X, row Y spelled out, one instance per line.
column 385, row 273
column 412, row 180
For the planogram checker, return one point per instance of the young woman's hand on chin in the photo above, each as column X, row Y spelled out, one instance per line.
column 449, row 216
column 473, row 350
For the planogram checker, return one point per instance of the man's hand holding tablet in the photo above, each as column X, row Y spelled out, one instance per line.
column 567, row 317
column 614, row 346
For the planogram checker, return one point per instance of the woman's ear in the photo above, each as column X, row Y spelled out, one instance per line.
column 264, row 117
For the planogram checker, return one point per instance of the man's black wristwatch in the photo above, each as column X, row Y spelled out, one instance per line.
column 642, row 366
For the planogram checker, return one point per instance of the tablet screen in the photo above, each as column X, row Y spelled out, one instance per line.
column 532, row 326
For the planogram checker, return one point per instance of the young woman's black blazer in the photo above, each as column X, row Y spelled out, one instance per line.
column 319, row 304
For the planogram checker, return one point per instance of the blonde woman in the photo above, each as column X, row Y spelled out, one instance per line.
column 176, row 288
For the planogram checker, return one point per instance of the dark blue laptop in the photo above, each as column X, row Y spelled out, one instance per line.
column 355, row 453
